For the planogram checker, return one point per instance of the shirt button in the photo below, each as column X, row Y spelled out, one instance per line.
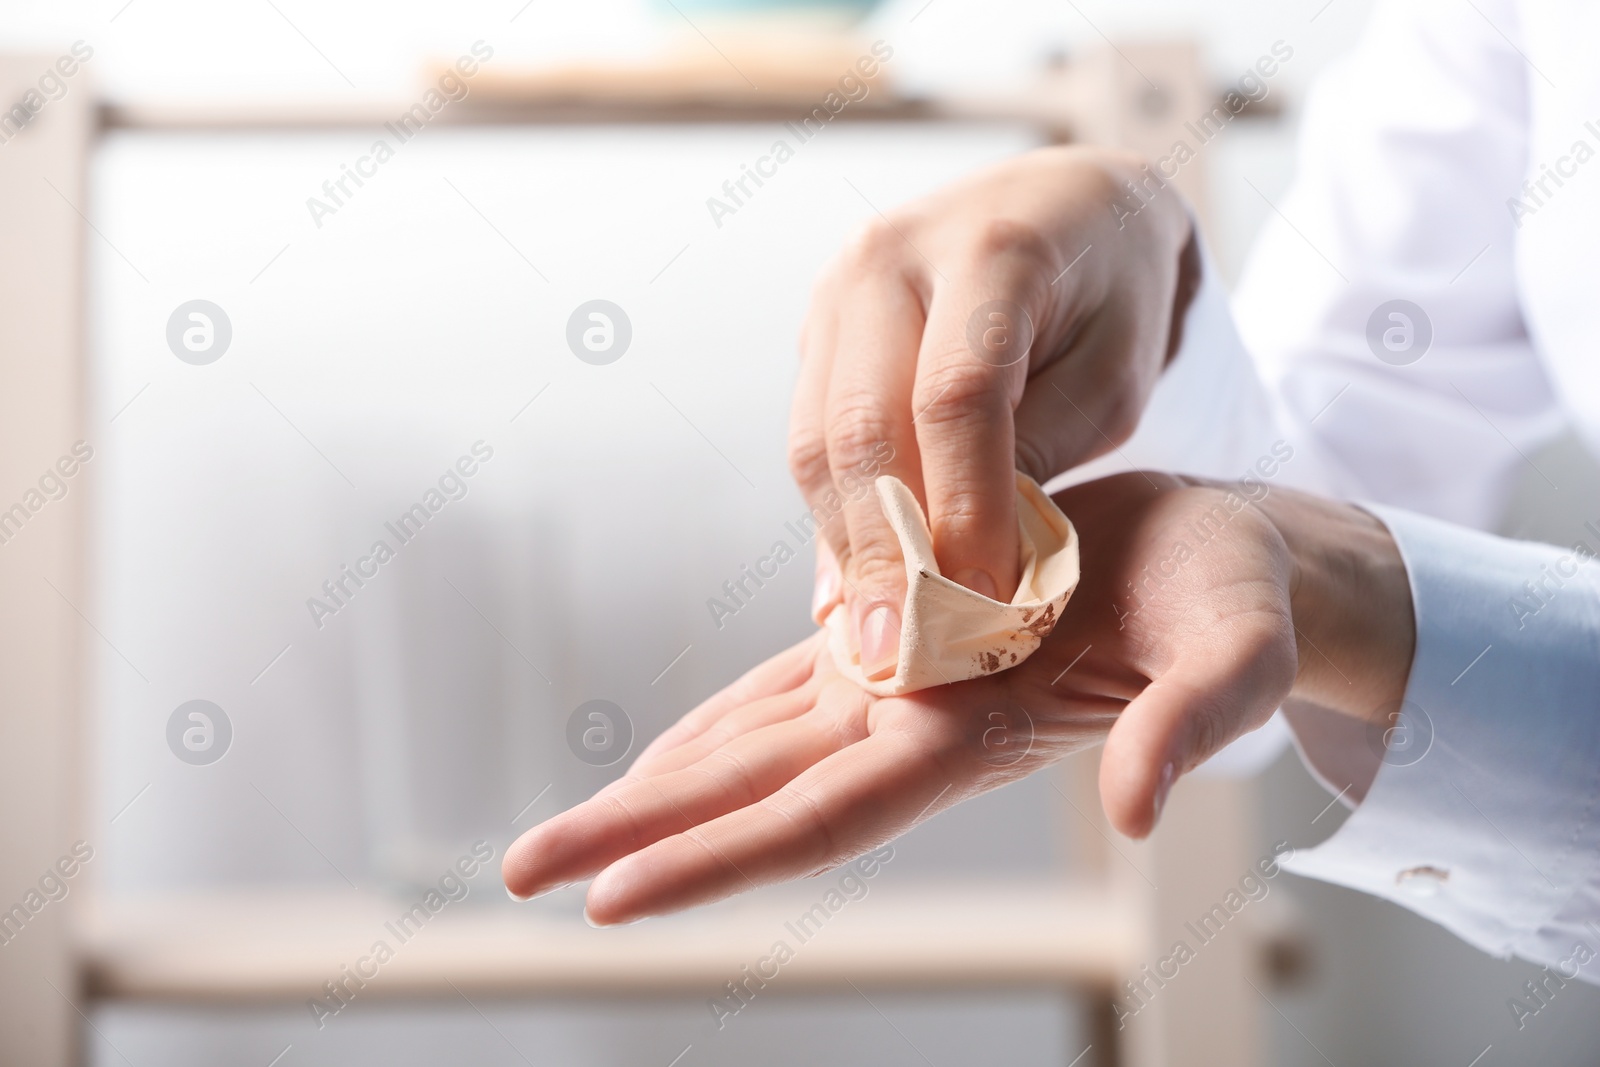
column 1424, row 881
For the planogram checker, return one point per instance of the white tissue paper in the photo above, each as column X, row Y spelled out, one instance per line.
column 948, row 633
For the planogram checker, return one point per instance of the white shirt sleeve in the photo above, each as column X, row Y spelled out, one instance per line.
column 1485, row 813
column 1482, row 815
column 1410, row 149
column 1381, row 301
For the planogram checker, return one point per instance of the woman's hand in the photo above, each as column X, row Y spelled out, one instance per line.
column 1181, row 637
column 1017, row 319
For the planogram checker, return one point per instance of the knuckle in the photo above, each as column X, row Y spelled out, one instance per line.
column 849, row 717
column 1032, row 461
column 1122, row 414
column 878, row 571
column 966, row 510
column 808, row 457
column 857, row 431
column 623, row 809
column 799, row 807
column 1208, row 732
column 826, row 284
column 729, row 771
column 880, row 574
column 875, row 246
column 962, row 390
column 1111, row 401
column 1103, row 178
column 1009, row 239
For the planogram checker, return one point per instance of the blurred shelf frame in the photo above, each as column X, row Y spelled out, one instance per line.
column 1107, row 96
column 1087, row 938
column 250, row 947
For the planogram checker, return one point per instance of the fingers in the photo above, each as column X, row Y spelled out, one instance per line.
column 851, row 802
column 579, row 842
column 869, row 433
column 735, row 724
column 1186, row 716
column 827, row 589
column 786, row 671
column 971, row 371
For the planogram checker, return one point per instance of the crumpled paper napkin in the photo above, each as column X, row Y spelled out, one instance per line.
column 948, row 633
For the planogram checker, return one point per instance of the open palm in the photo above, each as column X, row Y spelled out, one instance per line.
column 1178, row 639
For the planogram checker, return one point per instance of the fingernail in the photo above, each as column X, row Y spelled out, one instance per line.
column 979, row 581
column 880, row 642
column 608, row 926
column 826, row 590
column 1162, row 790
column 551, row 889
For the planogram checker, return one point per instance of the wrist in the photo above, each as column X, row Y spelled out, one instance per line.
column 1350, row 599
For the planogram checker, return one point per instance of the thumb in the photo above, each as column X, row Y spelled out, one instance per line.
column 1180, row 720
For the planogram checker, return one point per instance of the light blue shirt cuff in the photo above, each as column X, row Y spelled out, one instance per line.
column 1483, row 817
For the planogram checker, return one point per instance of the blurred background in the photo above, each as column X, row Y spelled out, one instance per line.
column 417, row 325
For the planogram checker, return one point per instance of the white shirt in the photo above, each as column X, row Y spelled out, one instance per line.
column 1484, row 814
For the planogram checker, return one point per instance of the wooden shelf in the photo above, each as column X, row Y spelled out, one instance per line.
column 1099, row 96
column 260, row 946
column 299, row 117
column 672, row 87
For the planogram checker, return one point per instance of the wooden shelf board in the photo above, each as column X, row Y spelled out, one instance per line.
column 284, row 946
